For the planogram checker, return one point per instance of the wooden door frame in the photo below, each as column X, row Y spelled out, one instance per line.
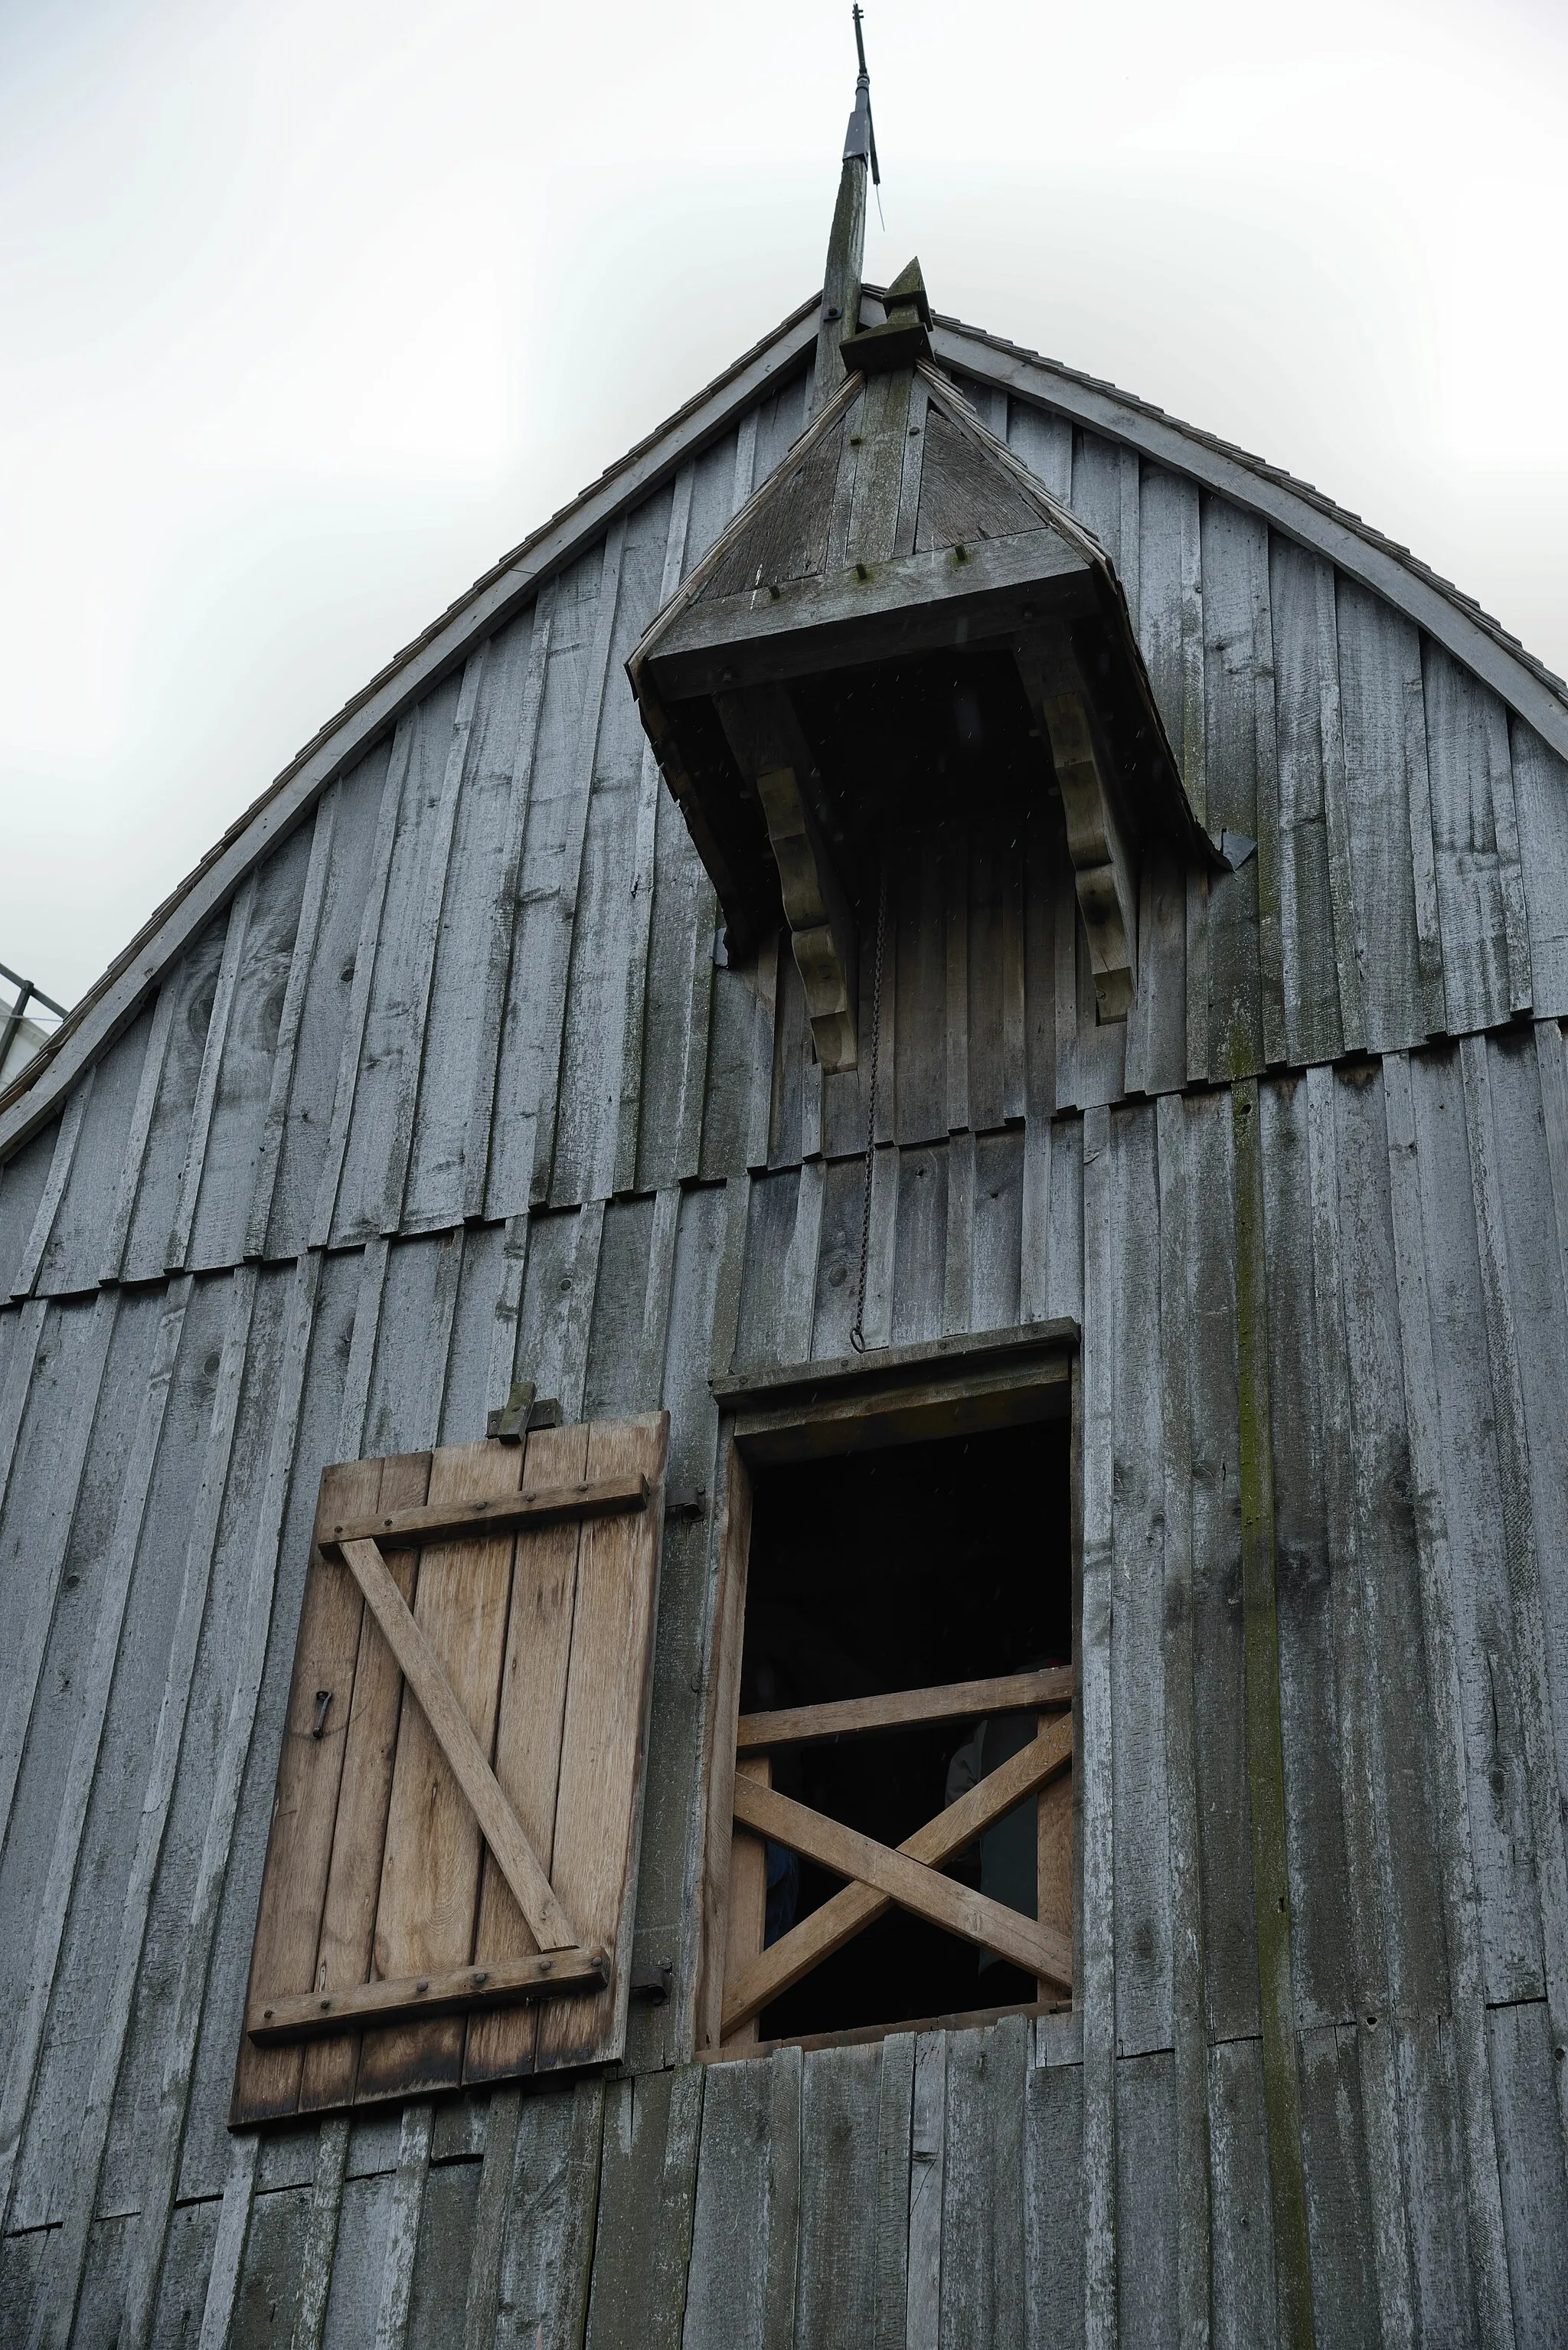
column 860, row 1403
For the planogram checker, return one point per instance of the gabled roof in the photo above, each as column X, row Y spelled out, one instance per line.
column 1295, row 508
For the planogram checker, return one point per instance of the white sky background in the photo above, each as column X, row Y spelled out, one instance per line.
column 311, row 308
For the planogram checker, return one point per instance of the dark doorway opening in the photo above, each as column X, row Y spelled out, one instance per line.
column 911, row 1567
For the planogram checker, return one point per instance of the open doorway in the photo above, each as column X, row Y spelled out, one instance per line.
column 906, row 1632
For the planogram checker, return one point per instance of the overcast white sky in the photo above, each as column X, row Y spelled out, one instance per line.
column 313, row 307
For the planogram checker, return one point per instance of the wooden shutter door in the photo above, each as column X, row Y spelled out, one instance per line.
column 463, row 1751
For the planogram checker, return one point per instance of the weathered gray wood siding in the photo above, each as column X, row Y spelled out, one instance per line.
column 454, row 1086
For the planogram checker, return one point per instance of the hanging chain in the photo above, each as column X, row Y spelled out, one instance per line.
column 857, row 1335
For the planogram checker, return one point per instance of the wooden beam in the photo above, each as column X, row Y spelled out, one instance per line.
column 513, row 1855
column 773, row 756
column 861, row 1904
column 601, row 1497
column 800, row 1725
column 965, row 1353
column 1104, row 870
column 871, row 611
column 311, row 2016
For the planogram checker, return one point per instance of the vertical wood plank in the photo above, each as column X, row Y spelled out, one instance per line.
column 726, row 2295
column 552, row 2210
column 1363, row 1761
column 1265, row 1758
column 366, row 1731
column 403, row 2227
column 1189, row 2038
column 301, row 965
column 590, row 718
column 325, row 1205
column 429, row 1891
column 529, row 1716
column 212, row 1050
column 927, row 2140
column 1545, row 1792
column 1342, row 891
column 27, row 2042
column 160, row 2156
column 67, row 1136
column 135, row 1153
column 229, row 2245
column 786, row 2071
column 49, row 1538
column 1095, row 1977
column 895, row 2116
column 604, row 1740
column 68, row 2259
column 1488, row 2258
column 503, row 918
column 423, row 957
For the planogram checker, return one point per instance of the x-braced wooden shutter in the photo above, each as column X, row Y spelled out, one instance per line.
column 449, row 1881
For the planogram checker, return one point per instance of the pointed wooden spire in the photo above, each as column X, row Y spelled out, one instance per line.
column 845, row 248
column 902, row 338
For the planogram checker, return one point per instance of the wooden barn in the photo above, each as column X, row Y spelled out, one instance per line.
column 785, row 1541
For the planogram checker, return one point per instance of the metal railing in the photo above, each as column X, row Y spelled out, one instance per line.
column 14, row 1013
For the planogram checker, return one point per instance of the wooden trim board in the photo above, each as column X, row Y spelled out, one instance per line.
column 310, row 2015
column 457, row 1521
column 800, row 1725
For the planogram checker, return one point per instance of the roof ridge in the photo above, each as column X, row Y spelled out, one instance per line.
column 1269, row 472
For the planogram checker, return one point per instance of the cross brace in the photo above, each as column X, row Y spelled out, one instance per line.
column 908, row 1877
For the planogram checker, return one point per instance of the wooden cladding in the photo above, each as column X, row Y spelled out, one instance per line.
column 449, row 1881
